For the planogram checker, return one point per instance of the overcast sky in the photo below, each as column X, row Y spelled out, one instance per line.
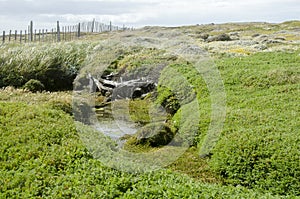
column 16, row 14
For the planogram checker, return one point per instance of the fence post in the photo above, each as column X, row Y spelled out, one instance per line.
column 16, row 34
column 9, row 36
column 58, row 32
column 21, row 36
column 110, row 26
column 74, row 31
column 78, row 34
column 88, row 26
column 25, row 35
column 28, row 34
column 3, row 37
column 39, row 35
column 93, row 25
column 65, row 33
column 46, row 34
column 35, row 35
column 51, row 34
column 96, row 27
column 31, row 31
column 62, row 32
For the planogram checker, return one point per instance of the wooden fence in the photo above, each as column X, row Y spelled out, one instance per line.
column 59, row 33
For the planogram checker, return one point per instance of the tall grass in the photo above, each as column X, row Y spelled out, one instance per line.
column 54, row 65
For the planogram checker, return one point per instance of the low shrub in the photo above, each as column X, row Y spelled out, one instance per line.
column 261, row 160
column 34, row 85
column 260, row 146
column 61, row 105
column 222, row 37
column 41, row 156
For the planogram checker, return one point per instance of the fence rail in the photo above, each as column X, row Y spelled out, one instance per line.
column 59, row 33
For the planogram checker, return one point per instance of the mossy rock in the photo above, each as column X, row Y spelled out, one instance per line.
column 154, row 135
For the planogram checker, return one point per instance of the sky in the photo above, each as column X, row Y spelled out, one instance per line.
column 16, row 14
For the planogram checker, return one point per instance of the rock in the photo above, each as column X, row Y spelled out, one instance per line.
column 260, row 47
column 262, row 37
column 245, row 42
column 280, row 38
column 234, row 36
column 272, row 41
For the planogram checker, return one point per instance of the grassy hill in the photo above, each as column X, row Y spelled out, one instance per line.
column 256, row 155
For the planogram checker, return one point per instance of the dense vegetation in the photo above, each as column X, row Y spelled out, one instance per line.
column 55, row 66
column 260, row 146
column 257, row 155
column 42, row 156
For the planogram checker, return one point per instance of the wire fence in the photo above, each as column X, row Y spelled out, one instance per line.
column 58, row 33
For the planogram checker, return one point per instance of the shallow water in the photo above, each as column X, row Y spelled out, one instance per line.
column 113, row 123
column 116, row 128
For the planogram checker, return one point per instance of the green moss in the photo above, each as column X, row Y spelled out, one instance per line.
column 154, row 135
column 139, row 111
